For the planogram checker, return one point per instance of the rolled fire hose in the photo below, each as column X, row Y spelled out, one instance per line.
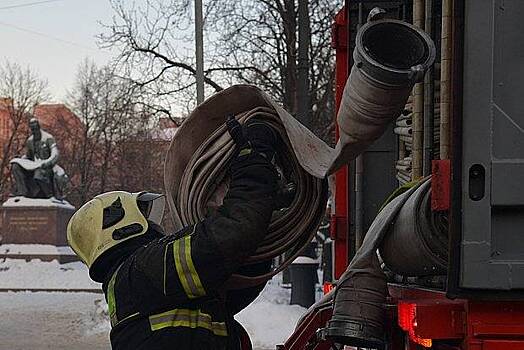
column 197, row 164
column 416, row 244
column 362, row 291
column 376, row 91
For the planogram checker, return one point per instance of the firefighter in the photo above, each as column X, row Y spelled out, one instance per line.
column 167, row 291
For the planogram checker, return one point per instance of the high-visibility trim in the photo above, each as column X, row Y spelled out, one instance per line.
column 186, row 268
column 128, row 318
column 111, row 301
column 244, row 152
column 193, row 272
column 165, row 268
column 187, row 318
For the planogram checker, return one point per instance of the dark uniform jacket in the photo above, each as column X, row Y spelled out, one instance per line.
column 168, row 294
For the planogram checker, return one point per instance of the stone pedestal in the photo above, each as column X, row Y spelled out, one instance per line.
column 34, row 221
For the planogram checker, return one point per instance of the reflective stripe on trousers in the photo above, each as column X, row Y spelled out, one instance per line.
column 187, row 318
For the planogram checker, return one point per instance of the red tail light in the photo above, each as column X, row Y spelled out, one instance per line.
column 406, row 315
column 328, row 287
column 407, row 320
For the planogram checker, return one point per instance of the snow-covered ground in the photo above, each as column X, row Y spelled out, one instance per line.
column 42, row 320
column 19, row 274
column 270, row 320
column 35, row 249
column 61, row 321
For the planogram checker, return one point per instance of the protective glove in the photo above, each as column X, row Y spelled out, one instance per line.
column 237, row 132
column 262, row 137
column 255, row 134
column 285, row 194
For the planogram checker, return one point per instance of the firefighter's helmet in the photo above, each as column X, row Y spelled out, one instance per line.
column 110, row 219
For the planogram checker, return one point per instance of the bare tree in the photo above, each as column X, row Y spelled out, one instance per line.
column 247, row 41
column 21, row 89
column 259, row 45
column 114, row 124
column 152, row 41
column 101, row 100
column 141, row 156
column 82, row 103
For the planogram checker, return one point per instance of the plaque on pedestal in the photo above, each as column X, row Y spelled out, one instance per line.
column 34, row 221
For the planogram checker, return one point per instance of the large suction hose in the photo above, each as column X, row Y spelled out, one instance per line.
column 390, row 57
column 417, row 243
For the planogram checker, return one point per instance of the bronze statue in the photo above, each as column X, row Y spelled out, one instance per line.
column 37, row 174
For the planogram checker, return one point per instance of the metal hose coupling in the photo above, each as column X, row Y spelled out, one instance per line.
column 390, row 56
column 358, row 312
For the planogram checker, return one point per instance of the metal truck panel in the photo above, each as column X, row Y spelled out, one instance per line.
column 492, row 253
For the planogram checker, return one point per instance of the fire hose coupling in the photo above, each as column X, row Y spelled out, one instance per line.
column 390, row 57
column 392, row 51
column 376, row 13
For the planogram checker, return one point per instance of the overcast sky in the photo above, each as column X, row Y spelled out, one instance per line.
column 53, row 36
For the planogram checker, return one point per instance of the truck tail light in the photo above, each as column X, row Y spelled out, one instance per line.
column 328, row 287
column 407, row 320
column 406, row 315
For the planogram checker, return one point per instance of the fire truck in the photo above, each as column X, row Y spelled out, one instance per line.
column 463, row 129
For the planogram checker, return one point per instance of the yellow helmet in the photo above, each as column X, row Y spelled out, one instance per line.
column 108, row 220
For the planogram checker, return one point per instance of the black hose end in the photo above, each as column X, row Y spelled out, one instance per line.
column 353, row 333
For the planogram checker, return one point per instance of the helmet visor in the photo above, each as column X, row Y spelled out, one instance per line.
column 152, row 205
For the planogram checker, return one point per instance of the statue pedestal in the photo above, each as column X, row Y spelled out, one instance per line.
column 34, row 221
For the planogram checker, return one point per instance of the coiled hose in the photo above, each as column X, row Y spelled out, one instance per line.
column 196, row 173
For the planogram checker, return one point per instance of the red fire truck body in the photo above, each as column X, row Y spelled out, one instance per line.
column 479, row 308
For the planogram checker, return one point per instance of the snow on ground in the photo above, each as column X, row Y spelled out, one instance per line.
column 270, row 320
column 36, row 202
column 19, row 274
column 79, row 321
column 57, row 321
column 35, row 249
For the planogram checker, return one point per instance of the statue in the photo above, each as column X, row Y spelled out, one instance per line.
column 37, row 174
